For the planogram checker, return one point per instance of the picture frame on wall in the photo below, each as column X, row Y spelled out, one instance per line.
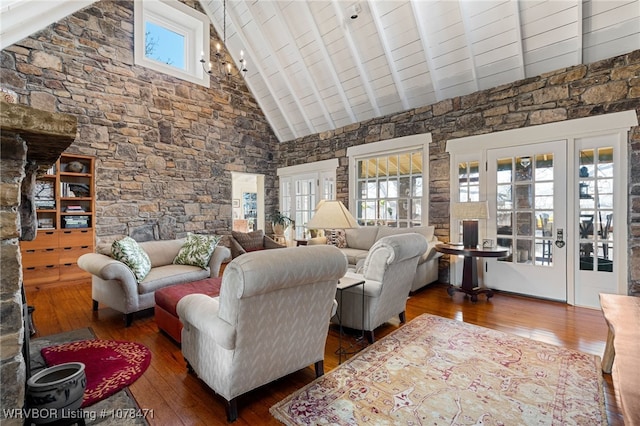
column 236, row 202
column 250, row 205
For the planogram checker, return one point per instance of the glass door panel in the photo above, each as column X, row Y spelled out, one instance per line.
column 530, row 183
column 595, row 227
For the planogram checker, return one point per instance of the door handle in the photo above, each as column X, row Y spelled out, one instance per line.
column 560, row 238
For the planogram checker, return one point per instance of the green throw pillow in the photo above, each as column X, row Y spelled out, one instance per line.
column 197, row 250
column 129, row 252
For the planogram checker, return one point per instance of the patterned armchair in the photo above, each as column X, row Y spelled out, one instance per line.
column 243, row 242
column 271, row 319
column 388, row 272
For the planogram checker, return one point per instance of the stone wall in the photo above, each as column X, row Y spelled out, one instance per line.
column 164, row 148
column 12, row 367
column 607, row 86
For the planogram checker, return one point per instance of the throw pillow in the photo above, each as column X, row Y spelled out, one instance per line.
column 250, row 241
column 197, row 250
column 128, row 251
column 337, row 237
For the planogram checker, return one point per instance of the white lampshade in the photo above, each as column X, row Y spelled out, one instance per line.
column 332, row 214
column 470, row 210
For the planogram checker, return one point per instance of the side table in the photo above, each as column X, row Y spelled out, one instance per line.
column 343, row 284
column 470, row 268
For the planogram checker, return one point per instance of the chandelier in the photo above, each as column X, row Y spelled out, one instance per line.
column 225, row 66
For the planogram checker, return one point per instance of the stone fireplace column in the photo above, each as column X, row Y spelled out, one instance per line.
column 12, row 331
column 30, row 139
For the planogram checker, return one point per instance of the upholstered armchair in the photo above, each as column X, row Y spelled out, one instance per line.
column 271, row 319
column 243, row 242
column 388, row 271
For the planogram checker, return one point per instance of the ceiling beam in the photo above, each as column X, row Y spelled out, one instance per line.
column 580, row 38
column 305, row 69
column 259, row 70
column 464, row 14
column 327, row 58
column 364, row 76
column 271, row 52
column 428, row 55
column 20, row 19
column 387, row 53
column 518, row 25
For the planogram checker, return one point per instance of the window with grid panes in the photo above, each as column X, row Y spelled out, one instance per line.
column 389, row 190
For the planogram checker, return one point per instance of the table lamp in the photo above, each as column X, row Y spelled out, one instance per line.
column 332, row 214
column 469, row 213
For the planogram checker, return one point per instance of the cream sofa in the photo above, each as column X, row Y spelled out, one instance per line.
column 360, row 240
column 115, row 285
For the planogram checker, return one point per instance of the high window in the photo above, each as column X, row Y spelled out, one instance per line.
column 171, row 37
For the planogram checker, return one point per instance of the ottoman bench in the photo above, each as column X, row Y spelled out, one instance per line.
column 167, row 299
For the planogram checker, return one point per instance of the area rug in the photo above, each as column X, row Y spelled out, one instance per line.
column 439, row 371
column 110, row 365
column 109, row 411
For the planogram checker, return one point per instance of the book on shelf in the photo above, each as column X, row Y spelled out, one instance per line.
column 45, row 223
column 45, row 204
column 71, row 209
column 76, row 221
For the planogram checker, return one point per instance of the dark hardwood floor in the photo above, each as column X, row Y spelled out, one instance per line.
column 178, row 398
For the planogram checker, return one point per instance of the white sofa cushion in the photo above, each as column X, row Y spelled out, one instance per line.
column 385, row 231
column 163, row 276
column 162, row 252
column 354, row 255
column 361, row 238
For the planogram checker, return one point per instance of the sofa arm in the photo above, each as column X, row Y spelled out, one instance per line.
column 201, row 311
column 105, row 267
column 219, row 255
column 431, row 252
column 235, row 247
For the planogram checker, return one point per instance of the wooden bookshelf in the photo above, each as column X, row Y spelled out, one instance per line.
column 65, row 208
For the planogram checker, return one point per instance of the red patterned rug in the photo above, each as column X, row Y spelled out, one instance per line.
column 110, row 365
column 438, row 371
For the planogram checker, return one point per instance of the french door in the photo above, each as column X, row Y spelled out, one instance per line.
column 527, row 195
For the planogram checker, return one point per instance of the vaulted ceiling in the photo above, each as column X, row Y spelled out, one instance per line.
column 312, row 68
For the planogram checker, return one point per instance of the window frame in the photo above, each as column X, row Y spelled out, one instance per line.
column 391, row 147
column 179, row 18
column 322, row 171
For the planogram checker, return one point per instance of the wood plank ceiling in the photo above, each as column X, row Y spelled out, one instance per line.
column 312, row 68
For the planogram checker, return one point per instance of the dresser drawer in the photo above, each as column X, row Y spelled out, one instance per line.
column 43, row 240
column 76, row 238
column 71, row 254
column 35, row 275
column 42, row 257
column 71, row 271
